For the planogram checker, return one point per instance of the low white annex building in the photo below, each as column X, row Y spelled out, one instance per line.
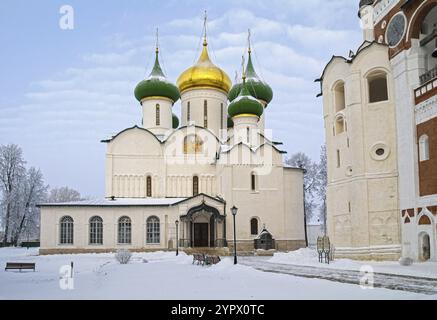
column 162, row 178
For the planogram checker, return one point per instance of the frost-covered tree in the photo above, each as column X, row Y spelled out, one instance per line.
column 322, row 181
column 63, row 194
column 12, row 173
column 26, row 218
column 301, row 160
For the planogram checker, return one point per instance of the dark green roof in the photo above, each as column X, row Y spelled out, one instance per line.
column 257, row 88
column 245, row 104
column 230, row 122
column 156, row 85
column 175, row 120
column 235, row 91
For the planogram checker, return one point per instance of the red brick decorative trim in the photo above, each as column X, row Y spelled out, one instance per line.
column 433, row 210
column 424, row 220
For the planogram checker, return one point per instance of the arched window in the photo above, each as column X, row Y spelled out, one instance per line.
column 253, row 181
column 340, row 125
column 188, row 111
column 96, row 230
column 158, row 115
column 378, row 90
column 339, row 97
column 193, row 144
column 149, row 186
column 66, row 230
column 338, row 159
column 153, row 234
column 195, row 185
column 254, row 226
column 424, row 148
column 248, row 135
column 124, row 230
column 205, row 114
column 221, row 116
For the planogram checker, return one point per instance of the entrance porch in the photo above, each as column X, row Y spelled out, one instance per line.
column 203, row 227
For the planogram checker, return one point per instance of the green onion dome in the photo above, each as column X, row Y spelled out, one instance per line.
column 257, row 88
column 235, row 91
column 156, row 85
column 245, row 104
column 230, row 122
column 175, row 121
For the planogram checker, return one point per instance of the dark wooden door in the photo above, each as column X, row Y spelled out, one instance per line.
column 201, row 235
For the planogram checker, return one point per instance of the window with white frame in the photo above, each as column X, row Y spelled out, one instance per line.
column 424, row 148
column 124, row 230
column 96, row 230
column 153, row 230
column 66, row 230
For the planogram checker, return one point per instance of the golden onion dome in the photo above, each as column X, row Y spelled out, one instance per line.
column 204, row 74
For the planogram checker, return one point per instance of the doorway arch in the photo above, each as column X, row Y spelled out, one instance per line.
column 424, row 247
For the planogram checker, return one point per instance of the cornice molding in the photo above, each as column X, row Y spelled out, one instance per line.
column 426, row 110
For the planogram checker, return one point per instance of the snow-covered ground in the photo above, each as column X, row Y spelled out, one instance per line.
column 309, row 257
column 165, row 276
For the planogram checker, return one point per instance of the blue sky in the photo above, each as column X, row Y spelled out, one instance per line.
column 62, row 91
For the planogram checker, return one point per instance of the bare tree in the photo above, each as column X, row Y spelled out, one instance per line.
column 12, row 171
column 63, row 194
column 301, row 160
column 322, row 181
column 33, row 191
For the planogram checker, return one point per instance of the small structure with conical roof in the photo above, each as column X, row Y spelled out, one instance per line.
column 157, row 97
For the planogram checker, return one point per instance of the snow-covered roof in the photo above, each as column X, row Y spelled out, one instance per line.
column 118, row 202
column 286, row 166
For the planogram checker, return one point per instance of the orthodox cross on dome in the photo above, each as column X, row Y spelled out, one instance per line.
column 157, row 70
column 205, row 19
column 242, row 67
column 248, row 41
column 157, row 41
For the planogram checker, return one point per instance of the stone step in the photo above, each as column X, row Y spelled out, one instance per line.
column 207, row 251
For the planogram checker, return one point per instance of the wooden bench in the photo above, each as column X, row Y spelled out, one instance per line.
column 209, row 260
column 20, row 266
column 199, row 258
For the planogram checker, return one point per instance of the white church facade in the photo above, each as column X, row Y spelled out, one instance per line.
column 380, row 112
column 168, row 183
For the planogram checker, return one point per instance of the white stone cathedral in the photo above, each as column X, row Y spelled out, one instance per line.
column 162, row 178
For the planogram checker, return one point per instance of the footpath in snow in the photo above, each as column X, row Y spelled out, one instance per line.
column 309, row 257
column 162, row 275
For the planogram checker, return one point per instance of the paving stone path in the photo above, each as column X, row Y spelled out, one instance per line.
column 381, row 280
